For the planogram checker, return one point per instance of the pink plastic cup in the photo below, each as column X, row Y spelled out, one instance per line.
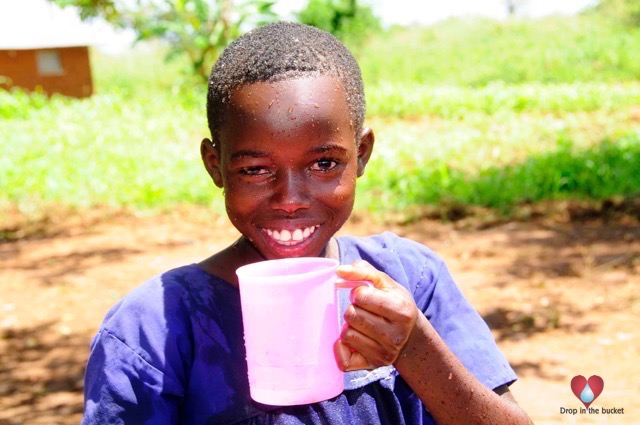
column 290, row 317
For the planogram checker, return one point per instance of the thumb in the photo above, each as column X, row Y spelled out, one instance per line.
column 361, row 270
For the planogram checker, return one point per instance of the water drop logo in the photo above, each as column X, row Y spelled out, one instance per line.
column 587, row 390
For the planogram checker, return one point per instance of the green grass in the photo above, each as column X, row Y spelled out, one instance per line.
column 413, row 100
column 598, row 172
column 474, row 53
column 456, row 116
column 104, row 150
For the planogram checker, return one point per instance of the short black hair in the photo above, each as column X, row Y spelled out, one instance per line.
column 280, row 51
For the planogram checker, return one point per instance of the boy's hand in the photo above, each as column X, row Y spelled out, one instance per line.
column 379, row 321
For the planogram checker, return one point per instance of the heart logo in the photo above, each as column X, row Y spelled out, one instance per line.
column 587, row 390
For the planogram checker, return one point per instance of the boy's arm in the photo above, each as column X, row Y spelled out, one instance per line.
column 386, row 327
column 450, row 392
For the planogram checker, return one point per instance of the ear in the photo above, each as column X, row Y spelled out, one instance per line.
column 211, row 159
column 365, row 147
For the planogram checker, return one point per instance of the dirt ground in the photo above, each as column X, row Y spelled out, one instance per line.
column 561, row 293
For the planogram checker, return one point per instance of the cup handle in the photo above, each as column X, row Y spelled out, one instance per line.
column 350, row 284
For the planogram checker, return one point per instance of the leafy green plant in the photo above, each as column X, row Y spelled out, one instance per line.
column 17, row 103
column 199, row 29
column 348, row 20
column 597, row 172
column 626, row 11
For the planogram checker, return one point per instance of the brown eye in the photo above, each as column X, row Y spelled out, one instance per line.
column 324, row 165
column 254, row 171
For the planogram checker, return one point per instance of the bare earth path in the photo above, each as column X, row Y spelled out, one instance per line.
column 562, row 299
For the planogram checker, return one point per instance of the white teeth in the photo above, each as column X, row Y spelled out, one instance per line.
column 287, row 237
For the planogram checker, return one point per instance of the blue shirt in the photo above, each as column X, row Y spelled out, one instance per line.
column 172, row 350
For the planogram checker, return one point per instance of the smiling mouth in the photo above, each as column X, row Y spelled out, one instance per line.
column 291, row 237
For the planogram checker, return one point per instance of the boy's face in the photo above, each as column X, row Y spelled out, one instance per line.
column 288, row 161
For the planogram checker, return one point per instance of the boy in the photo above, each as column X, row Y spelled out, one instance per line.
column 286, row 110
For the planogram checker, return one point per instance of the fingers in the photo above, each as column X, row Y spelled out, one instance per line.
column 396, row 306
column 361, row 270
column 387, row 298
column 379, row 321
column 348, row 359
column 355, row 351
column 384, row 332
column 375, row 338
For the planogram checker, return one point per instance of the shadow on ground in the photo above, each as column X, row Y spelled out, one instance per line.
column 41, row 374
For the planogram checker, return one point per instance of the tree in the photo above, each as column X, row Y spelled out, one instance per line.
column 346, row 19
column 200, row 29
column 626, row 11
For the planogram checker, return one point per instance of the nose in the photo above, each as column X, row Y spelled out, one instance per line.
column 291, row 192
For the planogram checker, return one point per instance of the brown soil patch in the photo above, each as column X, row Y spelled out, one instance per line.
column 562, row 298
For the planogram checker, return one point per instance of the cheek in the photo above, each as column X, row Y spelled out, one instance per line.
column 343, row 194
column 239, row 201
column 345, row 190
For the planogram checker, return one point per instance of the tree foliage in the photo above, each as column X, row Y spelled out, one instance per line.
column 200, row 29
column 348, row 20
column 626, row 11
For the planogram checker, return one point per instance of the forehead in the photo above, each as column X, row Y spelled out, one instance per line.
column 288, row 105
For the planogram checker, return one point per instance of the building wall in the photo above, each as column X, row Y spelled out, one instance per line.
column 64, row 70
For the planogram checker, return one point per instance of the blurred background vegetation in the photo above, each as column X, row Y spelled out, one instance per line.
column 467, row 112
